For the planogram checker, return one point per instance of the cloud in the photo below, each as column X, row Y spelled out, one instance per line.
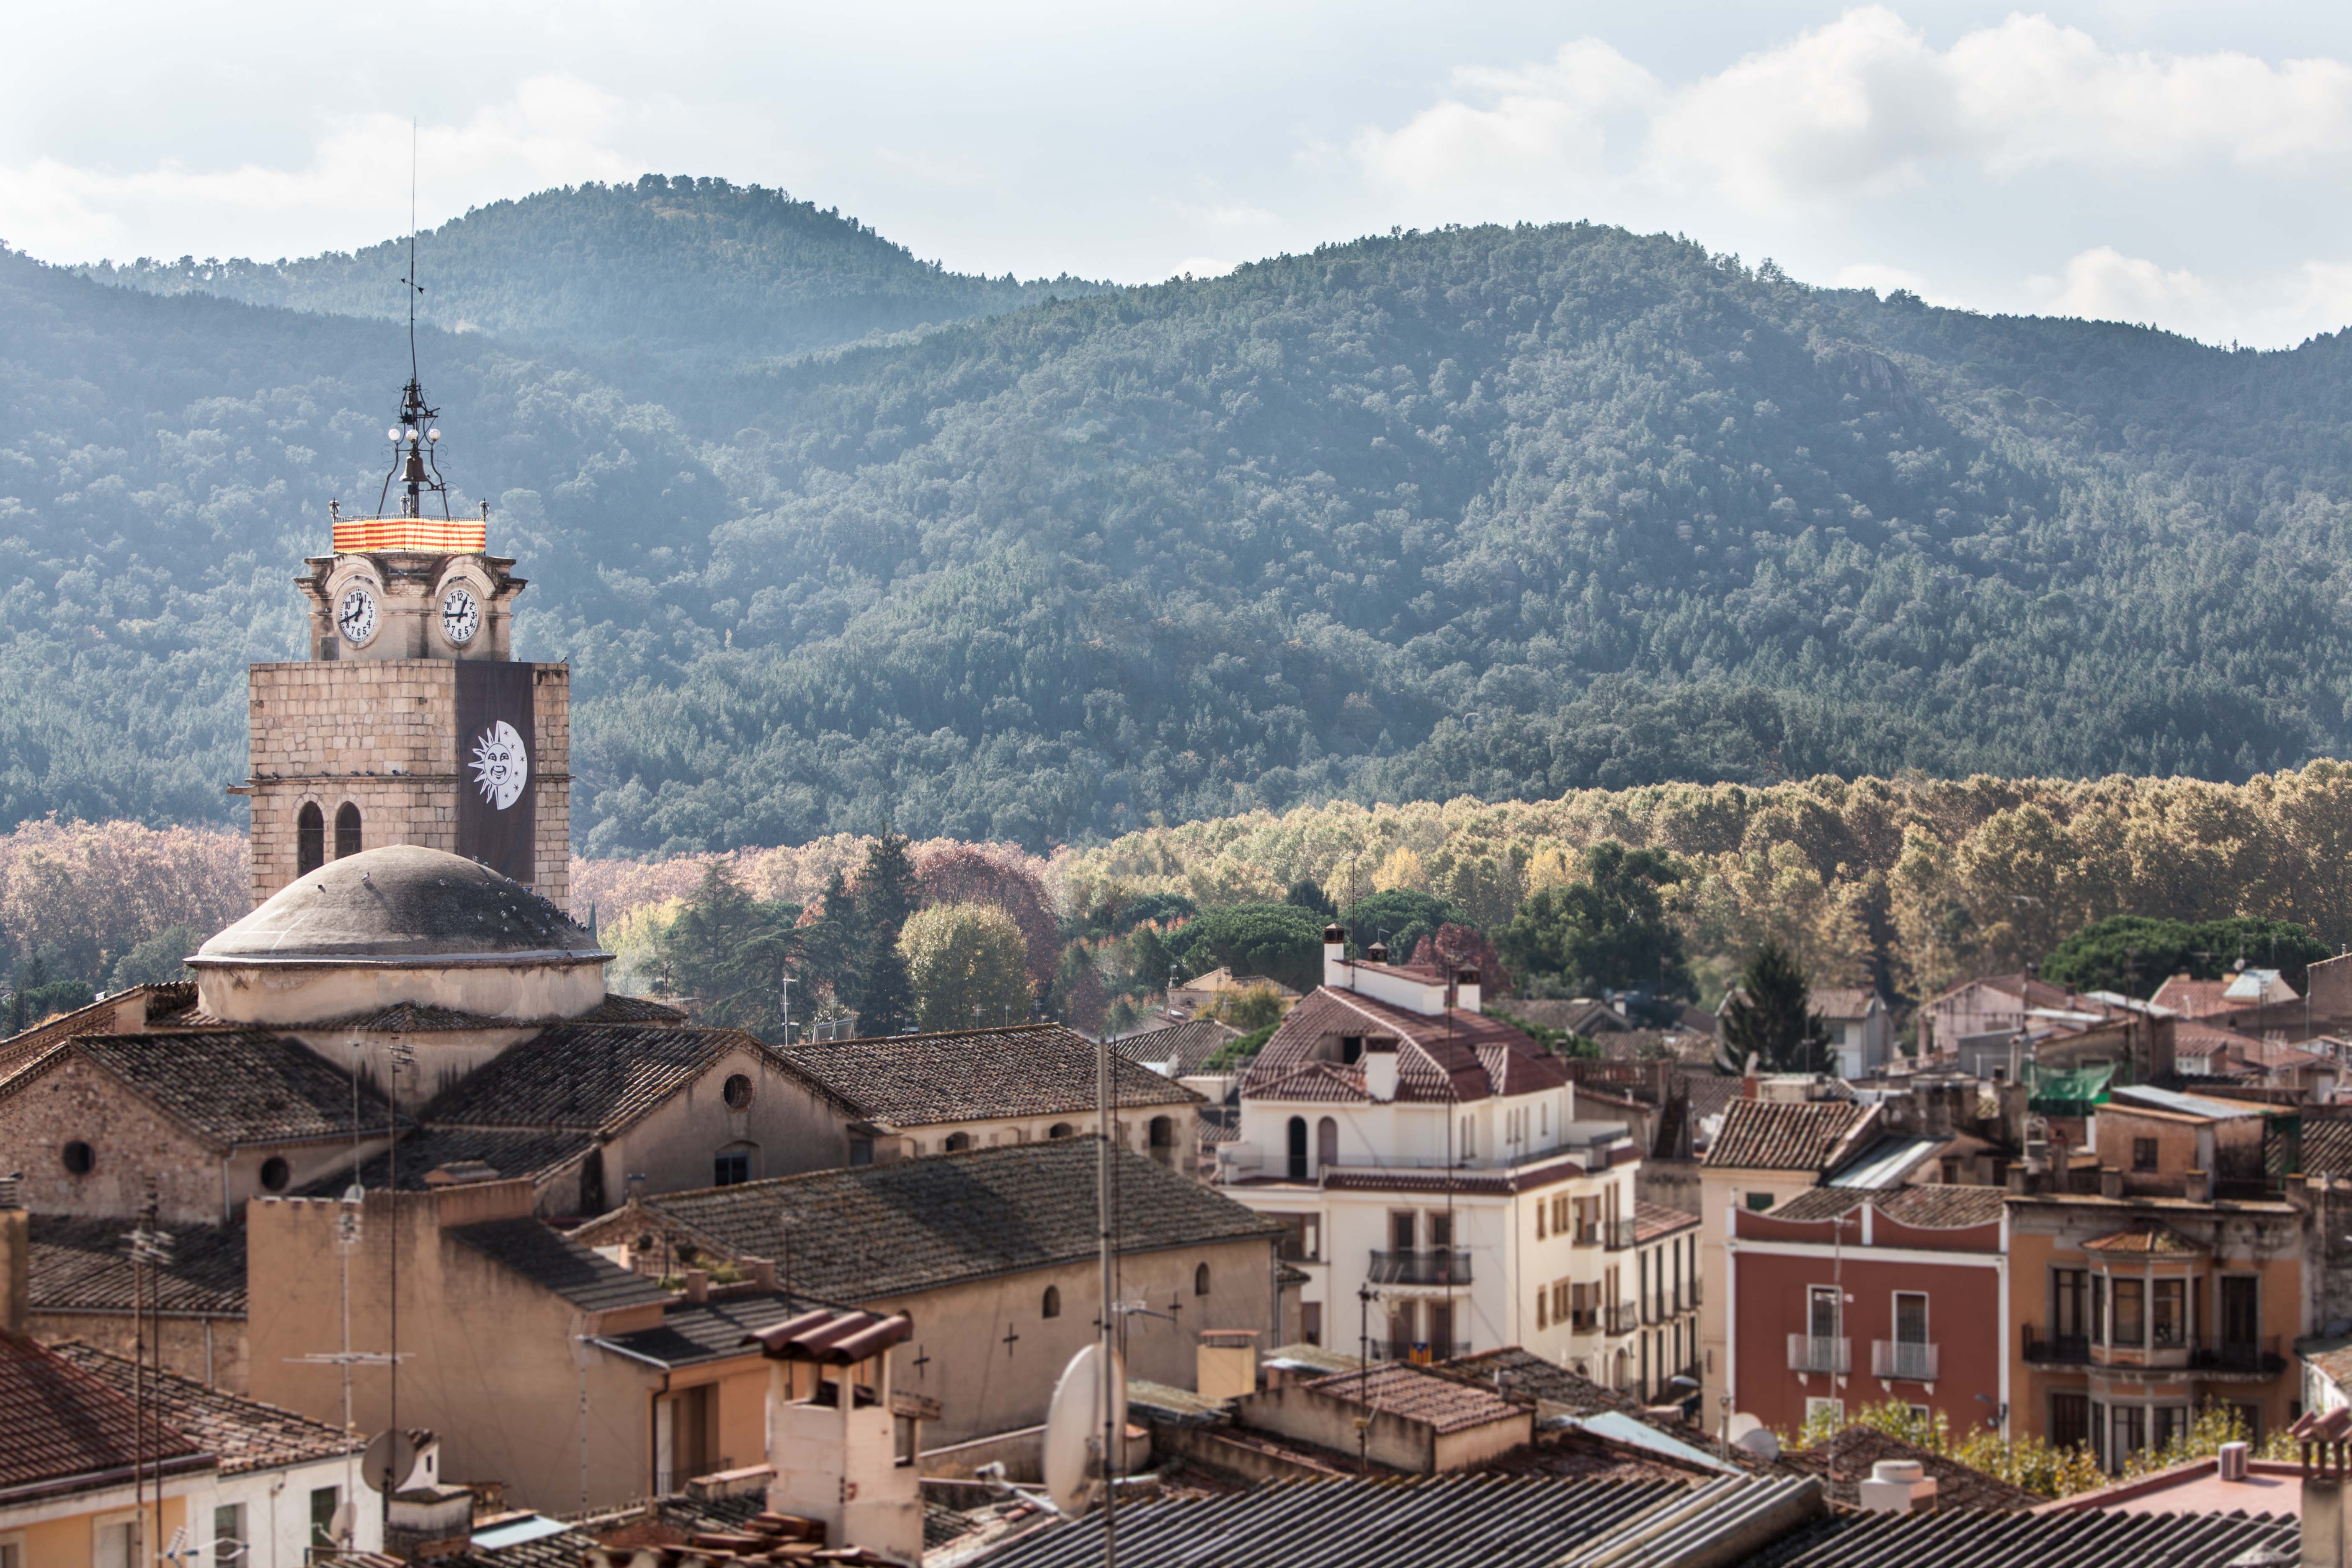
column 1883, row 281
column 2105, row 285
column 552, row 131
column 2276, row 307
column 1865, row 106
column 1201, row 266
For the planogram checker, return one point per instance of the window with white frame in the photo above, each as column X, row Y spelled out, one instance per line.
column 1816, row 1405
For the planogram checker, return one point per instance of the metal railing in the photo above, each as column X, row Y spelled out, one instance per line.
column 2230, row 1355
column 1617, row 1236
column 2062, row 1348
column 1422, row 1352
column 1903, row 1359
column 1815, row 1353
column 1443, row 1266
column 1624, row 1316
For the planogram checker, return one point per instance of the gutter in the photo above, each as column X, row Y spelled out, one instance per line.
column 92, row 1480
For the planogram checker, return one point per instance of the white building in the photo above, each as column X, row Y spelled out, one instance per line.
column 1442, row 1195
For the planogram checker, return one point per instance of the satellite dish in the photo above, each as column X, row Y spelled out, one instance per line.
column 1741, row 1424
column 1761, row 1443
column 1074, row 1426
column 339, row 1528
column 391, row 1450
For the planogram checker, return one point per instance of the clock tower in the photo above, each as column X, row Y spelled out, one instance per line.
column 411, row 722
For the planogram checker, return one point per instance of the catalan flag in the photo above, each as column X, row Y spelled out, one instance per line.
column 439, row 534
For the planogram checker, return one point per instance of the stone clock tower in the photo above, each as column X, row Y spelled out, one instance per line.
column 411, row 722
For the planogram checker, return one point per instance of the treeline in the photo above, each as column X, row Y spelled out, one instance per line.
column 1504, row 512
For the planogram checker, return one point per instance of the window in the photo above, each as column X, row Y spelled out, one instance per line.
column 1201, row 1280
column 591, row 1181
column 276, row 1173
column 1310, row 1322
column 1822, row 1314
column 2171, row 1422
column 957, row 1142
column 2098, row 1309
column 1759, row 1202
column 1326, row 1141
column 1052, row 1308
column 112, row 1540
column 1541, row 1210
column 1921, row 1413
column 2131, row 1313
column 1833, row 1408
column 324, row 1500
column 1402, row 1229
column 1910, row 1318
column 2128, row 1433
column 347, row 830
column 2069, row 1306
column 1160, row 1138
column 12, row 1551
column 2169, row 1324
column 1060, row 1129
column 730, row 1168
column 79, row 1158
column 738, row 1093
column 229, row 1534
column 1301, row 1237
column 1297, row 1148
column 2143, row 1153
column 2070, row 1420
column 861, row 1150
column 1543, row 1309
column 310, row 839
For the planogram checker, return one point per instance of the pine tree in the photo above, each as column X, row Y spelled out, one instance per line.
column 887, row 889
column 886, row 995
column 1768, row 1018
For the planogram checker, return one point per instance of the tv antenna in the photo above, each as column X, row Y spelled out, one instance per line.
column 415, row 437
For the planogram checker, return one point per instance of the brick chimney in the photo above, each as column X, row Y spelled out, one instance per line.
column 16, row 1260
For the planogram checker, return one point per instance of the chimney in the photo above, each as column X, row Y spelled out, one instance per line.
column 1896, row 1486
column 697, row 1286
column 1466, row 990
column 763, row 1272
column 1334, row 958
column 1748, row 1085
column 2322, row 1521
column 1378, row 952
column 1380, row 1069
column 2198, row 1187
column 2232, row 1462
column 2111, row 1181
column 16, row 1260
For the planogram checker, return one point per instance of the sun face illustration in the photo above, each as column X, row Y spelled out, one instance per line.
column 501, row 766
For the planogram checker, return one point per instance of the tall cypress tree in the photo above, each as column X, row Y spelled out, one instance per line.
column 1768, row 1017
column 887, row 997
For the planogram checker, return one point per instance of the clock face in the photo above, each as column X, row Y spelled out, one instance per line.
column 356, row 613
column 461, row 615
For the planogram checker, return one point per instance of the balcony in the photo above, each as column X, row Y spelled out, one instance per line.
column 1420, row 1352
column 2058, row 1350
column 1617, row 1236
column 1815, row 1353
column 1903, row 1359
column 2161, row 1362
column 1443, row 1266
column 1624, row 1316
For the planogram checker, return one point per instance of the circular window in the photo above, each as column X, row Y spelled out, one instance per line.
column 79, row 1158
column 738, row 1093
column 276, row 1173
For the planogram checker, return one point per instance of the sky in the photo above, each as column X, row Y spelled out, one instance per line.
column 2185, row 165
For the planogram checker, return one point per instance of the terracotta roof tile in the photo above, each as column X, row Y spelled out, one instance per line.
column 1944, row 1206
column 244, row 1435
column 1777, row 1135
column 82, row 1265
column 1186, row 1047
column 1460, row 1055
column 234, row 1086
column 556, row 1263
column 2147, row 1241
column 1411, row 1391
column 972, row 1075
column 1856, row 1449
column 587, row 1077
column 533, row 1151
column 57, row 1423
column 2192, row 998
column 1651, row 1221
column 870, row 1232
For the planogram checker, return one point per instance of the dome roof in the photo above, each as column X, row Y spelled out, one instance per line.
column 403, row 904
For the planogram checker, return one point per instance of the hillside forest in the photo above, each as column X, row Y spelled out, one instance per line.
column 1909, row 883
column 838, row 542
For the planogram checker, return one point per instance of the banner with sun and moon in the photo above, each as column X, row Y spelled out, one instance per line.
column 495, row 793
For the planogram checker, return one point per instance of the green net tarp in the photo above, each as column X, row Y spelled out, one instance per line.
column 2071, row 1092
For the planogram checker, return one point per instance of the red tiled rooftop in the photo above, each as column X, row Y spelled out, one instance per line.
column 1417, row 1394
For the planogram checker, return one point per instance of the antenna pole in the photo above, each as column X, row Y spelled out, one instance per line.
column 1107, row 1164
column 412, row 248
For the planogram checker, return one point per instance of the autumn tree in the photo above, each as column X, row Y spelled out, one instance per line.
column 968, row 965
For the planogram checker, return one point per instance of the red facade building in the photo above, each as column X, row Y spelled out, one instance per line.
column 1853, row 1297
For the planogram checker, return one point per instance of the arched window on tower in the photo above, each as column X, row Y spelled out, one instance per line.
column 310, row 839
column 347, row 830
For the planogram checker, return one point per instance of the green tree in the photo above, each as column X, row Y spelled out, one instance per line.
column 2136, row 955
column 969, row 966
column 887, row 889
column 1771, row 1015
column 1399, row 918
column 1077, row 996
column 730, row 952
column 1281, row 942
column 1308, row 895
column 157, row 960
column 1614, row 931
column 886, row 995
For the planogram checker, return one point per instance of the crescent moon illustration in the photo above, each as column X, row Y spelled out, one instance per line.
column 501, row 766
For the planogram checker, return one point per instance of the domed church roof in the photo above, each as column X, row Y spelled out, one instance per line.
column 403, row 904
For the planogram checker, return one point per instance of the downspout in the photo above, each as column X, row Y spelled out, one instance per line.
column 229, row 1215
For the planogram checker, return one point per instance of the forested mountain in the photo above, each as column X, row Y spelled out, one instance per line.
column 1497, row 511
column 658, row 276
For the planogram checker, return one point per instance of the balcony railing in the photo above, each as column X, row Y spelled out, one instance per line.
column 2075, row 1350
column 1903, row 1359
column 1617, row 1236
column 1420, row 1351
column 1444, row 1267
column 2063, row 1348
column 1813, row 1352
column 1584, row 1320
column 1624, row 1316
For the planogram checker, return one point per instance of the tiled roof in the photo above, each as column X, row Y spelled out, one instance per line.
column 1460, row 1055
column 1711, row 1094
column 421, row 1018
column 591, row 1078
column 1780, row 1135
column 972, row 1075
column 1944, row 1206
column 509, row 1151
column 230, row 1086
column 1409, row 1392
column 1971, row 1538
column 242, row 1433
column 164, row 1006
column 2145, row 1241
column 2192, row 998
column 2326, row 1145
column 1432, row 1521
column 710, row 1331
column 82, row 1265
column 1820, row 1203
column 1836, row 1002
column 59, row 1423
column 1651, row 1221
column 1320, row 1082
column 556, row 1263
column 1186, row 1047
column 1856, row 1449
column 870, row 1232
